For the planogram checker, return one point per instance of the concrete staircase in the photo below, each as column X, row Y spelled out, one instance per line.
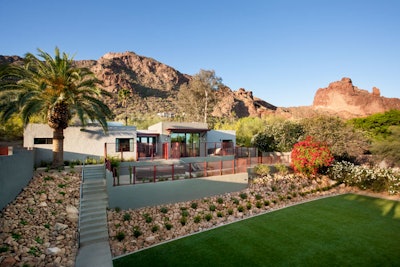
column 93, row 216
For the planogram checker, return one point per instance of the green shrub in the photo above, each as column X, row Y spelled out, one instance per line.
column 259, row 204
column 212, row 207
column 183, row 220
column 262, row 169
column 197, row 219
column 148, row 218
column 4, row 248
column 168, row 226
column 220, row 200
column 208, row 217
column 117, row 209
column 258, row 197
column 185, row 213
column 281, row 168
column 164, row 210
column 126, row 217
column 243, row 195
column 136, row 231
column 240, row 208
column 120, row 236
column 220, row 214
column 154, row 228
column 235, row 201
column 266, row 203
column 230, row 211
column 194, row 205
column 248, row 205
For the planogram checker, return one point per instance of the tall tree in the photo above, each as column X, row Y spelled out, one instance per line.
column 197, row 98
column 54, row 89
column 123, row 98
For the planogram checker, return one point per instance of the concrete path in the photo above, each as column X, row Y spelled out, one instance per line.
column 93, row 229
column 152, row 194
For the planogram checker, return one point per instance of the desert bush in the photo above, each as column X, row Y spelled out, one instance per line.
column 309, row 156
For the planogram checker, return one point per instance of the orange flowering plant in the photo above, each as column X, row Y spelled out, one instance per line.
column 309, row 156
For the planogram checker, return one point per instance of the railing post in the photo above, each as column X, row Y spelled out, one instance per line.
column 134, row 174
column 130, row 174
column 205, row 168
column 154, row 173
column 233, row 166
column 220, row 167
column 190, row 170
column 172, row 171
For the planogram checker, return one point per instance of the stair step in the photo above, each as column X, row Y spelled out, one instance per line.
column 90, row 226
column 93, row 239
column 93, row 220
column 94, row 204
column 94, row 232
column 94, row 197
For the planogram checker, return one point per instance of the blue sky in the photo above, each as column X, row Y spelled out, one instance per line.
column 282, row 50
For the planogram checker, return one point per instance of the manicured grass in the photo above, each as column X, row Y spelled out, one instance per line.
column 346, row 230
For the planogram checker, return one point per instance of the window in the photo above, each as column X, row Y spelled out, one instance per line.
column 124, row 144
column 43, row 141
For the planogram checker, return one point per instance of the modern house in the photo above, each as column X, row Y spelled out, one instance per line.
column 162, row 140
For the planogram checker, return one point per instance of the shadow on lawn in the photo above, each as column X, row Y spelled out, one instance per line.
column 383, row 207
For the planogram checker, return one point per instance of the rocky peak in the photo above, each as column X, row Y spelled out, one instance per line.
column 346, row 100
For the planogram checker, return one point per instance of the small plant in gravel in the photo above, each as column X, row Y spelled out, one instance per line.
column 120, row 236
column 47, row 226
column 23, row 222
column 235, row 201
column 212, row 207
column 197, row 218
column 266, row 203
column 240, row 208
column 248, row 205
column 220, row 214
column 147, row 218
column 136, row 231
column 16, row 236
column 155, row 228
column 168, row 226
column 243, row 195
column 183, row 220
column 164, row 210
column 39, row 240
column 127, row 217
column 61, row 185
column 230, row 211
column 185, row 213
column 34, row 251
column 194, row 205
column 4, row 248
column 220, row 200
column 258, row 204
column 48, row 178
column 208, row 217
column 117, row 209
column 258, row 196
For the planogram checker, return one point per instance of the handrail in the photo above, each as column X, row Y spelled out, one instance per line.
column 80, row 202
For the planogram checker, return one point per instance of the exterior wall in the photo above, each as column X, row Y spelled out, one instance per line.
column 220, row 135
column 79, row 142
column 16, row 172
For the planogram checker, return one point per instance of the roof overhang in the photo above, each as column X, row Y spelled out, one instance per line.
column 186, row 130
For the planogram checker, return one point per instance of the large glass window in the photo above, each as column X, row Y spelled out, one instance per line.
column 124, row 144
column 185, row 144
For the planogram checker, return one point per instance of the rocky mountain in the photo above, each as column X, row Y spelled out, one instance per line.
column 346, row 100
column 155, row 86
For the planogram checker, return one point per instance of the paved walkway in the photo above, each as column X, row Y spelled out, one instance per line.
column 152, row 194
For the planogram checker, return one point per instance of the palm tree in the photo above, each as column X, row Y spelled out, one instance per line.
column 54, row 89
column 123, row 97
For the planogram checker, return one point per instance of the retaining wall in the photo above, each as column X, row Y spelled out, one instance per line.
column 15, row 173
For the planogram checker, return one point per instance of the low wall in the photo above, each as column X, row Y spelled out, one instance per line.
column 15, row 173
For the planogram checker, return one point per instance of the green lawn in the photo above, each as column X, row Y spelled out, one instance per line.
column 346, row 230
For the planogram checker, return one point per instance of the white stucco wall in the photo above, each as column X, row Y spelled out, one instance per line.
column 79, row 142
column 220, row 135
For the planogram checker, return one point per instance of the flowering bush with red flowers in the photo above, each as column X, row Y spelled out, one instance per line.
column 309, row 156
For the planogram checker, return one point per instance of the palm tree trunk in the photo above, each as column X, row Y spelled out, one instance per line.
column 58, row 148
